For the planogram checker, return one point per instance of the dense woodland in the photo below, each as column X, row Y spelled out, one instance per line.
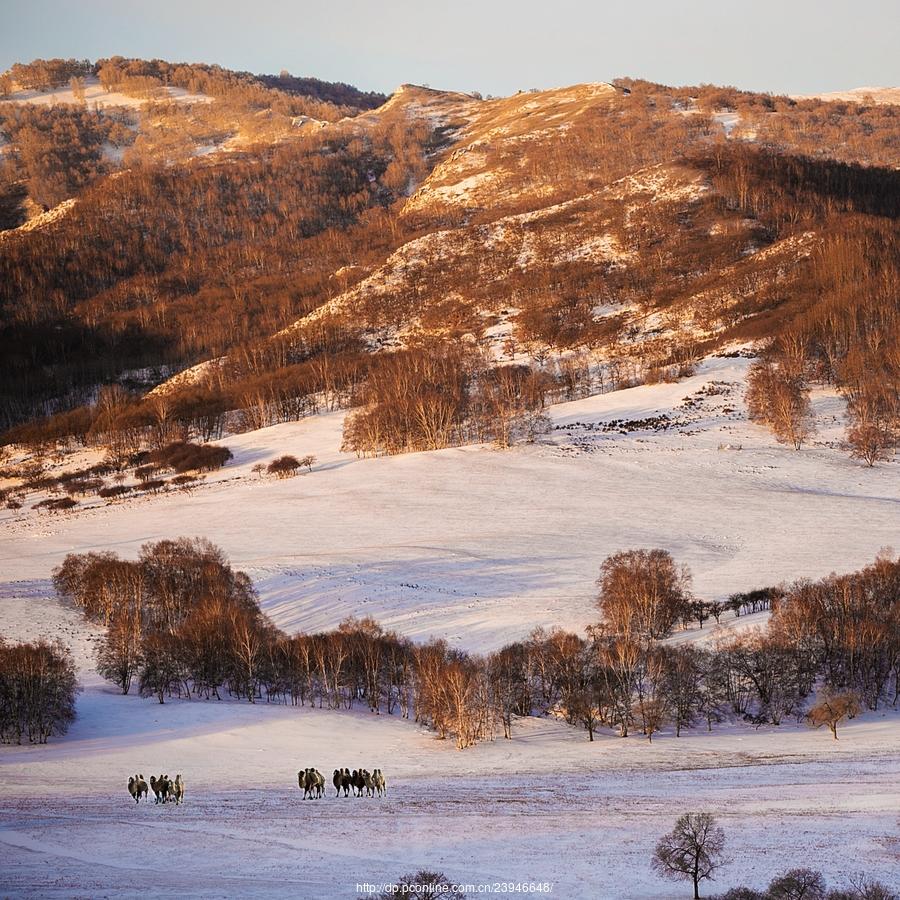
column 59, row 150
column 182, row 623
column 59, row 153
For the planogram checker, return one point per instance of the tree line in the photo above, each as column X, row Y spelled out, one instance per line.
column 182, row 623
column 44, row 74
column 440, row 396
column 144, row 78
column 433, row 394
column 312, row 96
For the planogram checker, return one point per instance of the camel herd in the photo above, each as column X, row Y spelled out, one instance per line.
column 164, row 789
column 312, row 783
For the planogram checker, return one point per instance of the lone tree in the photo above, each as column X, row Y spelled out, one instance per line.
column 654, row 715
column 832, row 708
column 691, row 850
column 643, row 593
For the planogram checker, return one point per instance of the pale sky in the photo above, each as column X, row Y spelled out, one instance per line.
column 494, row 46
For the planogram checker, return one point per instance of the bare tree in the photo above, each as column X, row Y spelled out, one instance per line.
column 681, row 679
column 77, row 86
column 872, row 441
column 654, row 714
column 643, row 592
column 585, row 707
column 692, row 850
column 119, row 657
column 864, row 888
column 832, row 708
column 160, row 672
column 781, row 401
column 873, row 434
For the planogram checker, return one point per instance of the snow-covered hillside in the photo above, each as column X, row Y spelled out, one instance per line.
column 480, row 546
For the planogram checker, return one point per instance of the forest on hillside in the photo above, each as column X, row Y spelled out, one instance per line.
column 161, row 265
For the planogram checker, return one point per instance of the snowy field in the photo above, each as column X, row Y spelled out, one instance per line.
column 478, row 546
column 546, row 806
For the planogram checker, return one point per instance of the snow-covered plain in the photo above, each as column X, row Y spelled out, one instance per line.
column 478, row 546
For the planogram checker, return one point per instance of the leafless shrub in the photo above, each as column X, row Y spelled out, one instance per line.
column 284, row 467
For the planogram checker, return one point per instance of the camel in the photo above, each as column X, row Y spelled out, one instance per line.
column 336, row 781
column 319, row 783
column 178, row 789
column 162, row 787
column 346, row 781
column 358, row 782
column 380, row 785
column 132, row 788
column 313, row 783
column 369, row 782
column 142, row 789
column 303, row 783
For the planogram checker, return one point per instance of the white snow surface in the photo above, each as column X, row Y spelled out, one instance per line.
column 95, row 95
column 479, row 546
column 890, row 95
column 728, row 119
